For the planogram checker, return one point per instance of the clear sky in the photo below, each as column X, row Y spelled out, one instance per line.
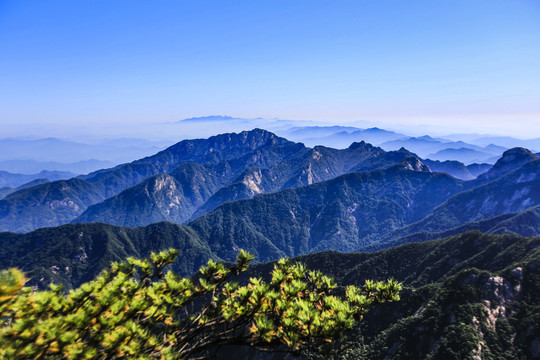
column 467, row 65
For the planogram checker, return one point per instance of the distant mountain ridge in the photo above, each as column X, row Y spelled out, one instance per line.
column 443, row 150
column 34, row 155
column 210, row 118
column 511, row 160
column 34, row 166
column 243, row 179
column 15, row 180
column 58, row 203
column 194, row 177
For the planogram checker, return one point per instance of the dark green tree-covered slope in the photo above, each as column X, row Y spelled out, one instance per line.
column 75, row 253
column 513, row 192
column 344, row 213
column 470, row 296
column 526, row 223
column 463, row 293
column 419, row 264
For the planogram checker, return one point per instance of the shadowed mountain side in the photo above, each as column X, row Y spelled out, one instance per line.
column 525, row 223
column 512, row 193
column 5, row 191
column 478, row 169
column 75, row 253
column 462, row 293
column 457, row 169
column 316, row 165
column 454, row 168
column 344, row 213
column 418, row 264
column 46, row 205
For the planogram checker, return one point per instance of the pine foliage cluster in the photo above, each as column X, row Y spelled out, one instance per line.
column 138, row 310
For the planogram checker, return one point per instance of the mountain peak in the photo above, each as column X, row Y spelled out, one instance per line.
column 413, row 164
column 405, row 151
column 208, row 118
column 249, row 138
column 360, row 145
column 514, row 154
column 375, row 129
column 511, row 159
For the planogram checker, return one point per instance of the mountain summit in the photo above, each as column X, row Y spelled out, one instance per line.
column 511, row 160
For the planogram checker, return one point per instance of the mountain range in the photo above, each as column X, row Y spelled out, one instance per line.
column 85, row 154
column 193, row 176
column 206, row 176
column 276, row 198
column 61, row 202
column 10, row 183
column 441, row 149
column 68, row 151
column 468, row 294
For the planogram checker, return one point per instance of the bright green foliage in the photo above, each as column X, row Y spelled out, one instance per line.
column 135, row 310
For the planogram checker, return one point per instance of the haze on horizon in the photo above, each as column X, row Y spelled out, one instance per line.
column 133, row 68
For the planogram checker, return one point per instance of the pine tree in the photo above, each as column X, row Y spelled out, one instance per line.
column 136, row 310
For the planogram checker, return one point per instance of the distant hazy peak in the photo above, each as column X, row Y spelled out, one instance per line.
column 376, row 129
column 208, row 118
column 424, row 137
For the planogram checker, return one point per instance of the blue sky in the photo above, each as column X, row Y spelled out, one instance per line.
column 463, row 65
